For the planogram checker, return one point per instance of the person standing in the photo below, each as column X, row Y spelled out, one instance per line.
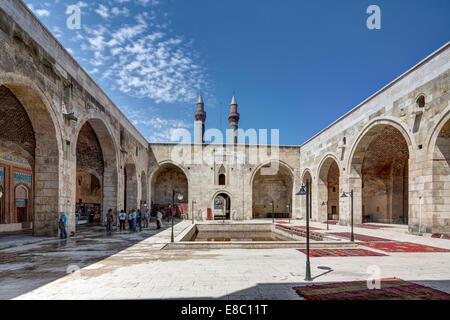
column 62, row 223
column 122, row 218
column 133, row 220
column 139, row 219
column 146, row 217
column 91, row 216
column 130, row 220
column 158, row 220
column 109, row 221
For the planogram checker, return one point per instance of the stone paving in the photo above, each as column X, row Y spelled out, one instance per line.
column 134, row 266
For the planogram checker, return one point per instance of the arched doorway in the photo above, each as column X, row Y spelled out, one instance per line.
column 307, row 177
column 440, row 179
column 89, row 177
column 272, row 193
column 166, row 178
column 29, row 148
column 380, row 160
column 16, row 181
column 328, row 190
column 22, row 201
column 222, row 206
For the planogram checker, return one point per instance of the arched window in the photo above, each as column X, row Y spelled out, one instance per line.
column 420, row 102
column 222, row 179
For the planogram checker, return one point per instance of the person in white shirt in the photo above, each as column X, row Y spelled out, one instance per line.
column 122, row 218
column 158, row 220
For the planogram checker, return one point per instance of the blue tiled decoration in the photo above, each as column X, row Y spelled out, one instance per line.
column 23, row 177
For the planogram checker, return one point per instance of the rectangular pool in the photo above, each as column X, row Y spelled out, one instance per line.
column 234, row 232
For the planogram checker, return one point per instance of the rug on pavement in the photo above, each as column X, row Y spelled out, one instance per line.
column 315, row 253
column 357, row 236
column 403, row 247
column 331, row 222
column 391, row 289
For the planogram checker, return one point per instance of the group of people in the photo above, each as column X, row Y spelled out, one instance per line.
column 136, row 219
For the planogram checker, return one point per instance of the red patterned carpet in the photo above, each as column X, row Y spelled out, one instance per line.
column 315, row 253
column 357, row 236
column 391, row 289
column 403, row 247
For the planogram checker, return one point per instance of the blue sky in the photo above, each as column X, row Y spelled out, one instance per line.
column 293, row 65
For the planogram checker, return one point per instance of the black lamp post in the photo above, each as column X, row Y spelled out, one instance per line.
column 345, row 195
column 193, row 202
column 304, row 191
column 179, row 198
column 289, row 212
column 326, row 211
column 273, row 214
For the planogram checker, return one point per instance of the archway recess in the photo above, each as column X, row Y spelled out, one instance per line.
column 96, row 169
column 380, row 169
column 328, row 189
column 307, row 177
column 30, row 144
column 440, row 217
column 272, row 193
column 168, row 177
column 222, row 206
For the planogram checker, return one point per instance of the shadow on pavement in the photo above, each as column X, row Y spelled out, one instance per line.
column 34, row 262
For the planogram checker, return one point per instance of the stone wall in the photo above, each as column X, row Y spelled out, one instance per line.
column 50, row 85
column 414, row 104
column 202, row 165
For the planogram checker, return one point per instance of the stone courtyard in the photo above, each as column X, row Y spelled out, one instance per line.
column 135, row 266
column 67, row 148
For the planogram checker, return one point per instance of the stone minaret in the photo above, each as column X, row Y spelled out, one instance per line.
column 233, row 118
column 200, row 117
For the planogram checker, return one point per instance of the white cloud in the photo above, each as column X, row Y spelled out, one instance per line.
column 146, row 2
column 57, row 31
column 102, row 11
column 117, row 12
column 39, row 12
column 81, row 4
column 144, row 61
column 155, row 127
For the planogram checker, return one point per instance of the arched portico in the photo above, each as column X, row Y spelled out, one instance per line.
column 272, row 190
column 379, row 174
column 328, row 188
column 307, row 176
column 436, row 214
column 36, row 138
column 166, row 177
column 221, row 204
column 96, row 159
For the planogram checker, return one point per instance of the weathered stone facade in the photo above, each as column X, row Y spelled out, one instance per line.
column 390, row 150
column 241, row 166
column 391, row 139
column 50, row 85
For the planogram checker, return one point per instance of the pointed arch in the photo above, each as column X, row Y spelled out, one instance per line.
column 46, row 157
